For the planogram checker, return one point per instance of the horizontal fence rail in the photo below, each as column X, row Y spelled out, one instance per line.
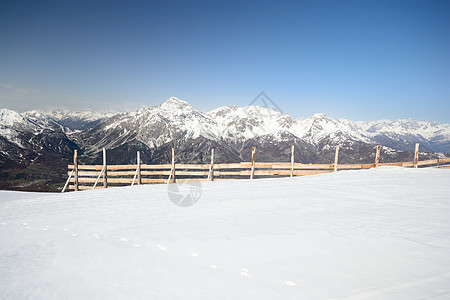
column 83, row 177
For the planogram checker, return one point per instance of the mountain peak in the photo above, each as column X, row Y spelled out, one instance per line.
column 174, row 103
column 174, row 99
column 319, row 116
column 9, row 117
column 35, row 114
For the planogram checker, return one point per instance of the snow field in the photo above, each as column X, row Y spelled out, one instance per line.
column 371, row 234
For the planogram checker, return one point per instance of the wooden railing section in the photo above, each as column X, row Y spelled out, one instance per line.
column 82, row 177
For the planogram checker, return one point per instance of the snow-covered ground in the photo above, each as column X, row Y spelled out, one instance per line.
column 372, row 234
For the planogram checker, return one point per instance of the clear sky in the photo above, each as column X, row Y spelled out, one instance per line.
column 362, row 60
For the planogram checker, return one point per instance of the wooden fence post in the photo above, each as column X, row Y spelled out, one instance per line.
column 377, row 156
column 416, row 155
column 211, row 167
column 336, row 158
column 105, row 172
column 292, row 161
column 137, row 174
column 138, row 168
column 173, row 165
column 172, row 171
column 67, row 182
column 253, row 163
column 75, row 168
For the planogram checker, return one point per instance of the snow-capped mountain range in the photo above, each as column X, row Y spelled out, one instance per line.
column 36, row 137
column 157, row 125
column 174, row 118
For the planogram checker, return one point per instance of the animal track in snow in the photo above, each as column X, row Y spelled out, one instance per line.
column 161, row 247
column 290, row 283
column 44, row 228
column 213, row 266
column 95, row 236
column 24, row 224
column 245, row 273
column 124, row 239
column 194, row 254
column 64, row 229
column 74, row 234
column 136, row 245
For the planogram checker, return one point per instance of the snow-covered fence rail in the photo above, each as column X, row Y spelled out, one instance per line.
column 82, row 177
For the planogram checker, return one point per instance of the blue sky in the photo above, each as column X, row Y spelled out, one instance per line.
column 362, row 60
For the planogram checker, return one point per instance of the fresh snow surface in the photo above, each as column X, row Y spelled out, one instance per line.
column 371, row 234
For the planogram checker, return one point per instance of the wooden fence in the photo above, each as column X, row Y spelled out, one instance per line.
column 82, row 177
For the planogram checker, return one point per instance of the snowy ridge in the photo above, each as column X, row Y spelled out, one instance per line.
column 13, row 124
column 31, row 137
column 9, row 117
column 233, row 128
column 157, row 125
column 85, row 115
column 242, row 123
column 425, row 129
column 404, row 132
column 78, row 120
column 42, row 120
column 229, row 123
column 319, row 126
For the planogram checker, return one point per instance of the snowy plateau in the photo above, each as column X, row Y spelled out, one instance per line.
column 370, row 234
